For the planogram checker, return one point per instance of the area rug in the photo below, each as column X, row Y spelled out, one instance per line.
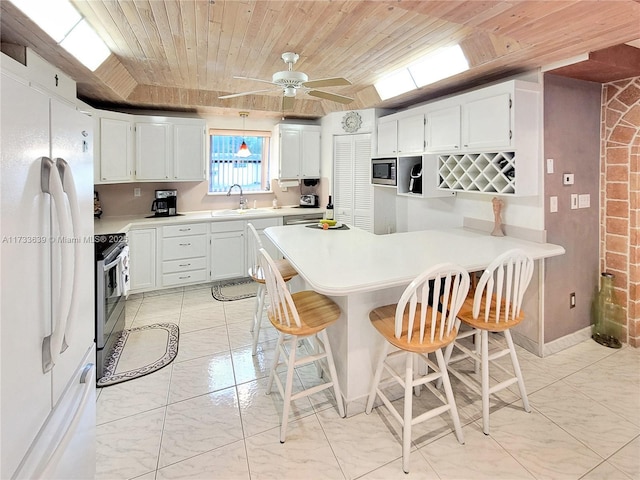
column 141, row 351
column 230, row 290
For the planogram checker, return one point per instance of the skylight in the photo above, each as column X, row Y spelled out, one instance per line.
column 431, row 68
column 62, row 22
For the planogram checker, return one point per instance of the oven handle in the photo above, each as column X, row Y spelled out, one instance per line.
column 53, row 345
column 109, row 266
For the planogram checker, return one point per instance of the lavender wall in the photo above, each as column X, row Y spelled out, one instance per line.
column 572, row 139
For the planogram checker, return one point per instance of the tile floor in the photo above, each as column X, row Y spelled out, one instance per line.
column 206, row 416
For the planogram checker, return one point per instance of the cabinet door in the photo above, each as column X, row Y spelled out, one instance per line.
column 486, row 122
column 153, row 152
column 352, row 190
column 227, row 255
column 443, row 129
column 411, row 134
column 310, row 158
column 115, row 150
column 142, row 262
column 189, row 152
column 387, row 137
column 290, row 150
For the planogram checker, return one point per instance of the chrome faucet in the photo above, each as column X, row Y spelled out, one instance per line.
column 243, row 201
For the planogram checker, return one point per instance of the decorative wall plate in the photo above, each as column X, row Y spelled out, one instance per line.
column 351, row 122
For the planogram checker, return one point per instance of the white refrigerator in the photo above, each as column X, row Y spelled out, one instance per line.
column 47, row 354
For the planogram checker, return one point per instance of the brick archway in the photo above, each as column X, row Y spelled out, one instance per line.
column 620, row 196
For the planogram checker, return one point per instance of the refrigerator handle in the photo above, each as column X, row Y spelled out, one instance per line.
column 69, row 187
column 51, row 184
column 87, row 380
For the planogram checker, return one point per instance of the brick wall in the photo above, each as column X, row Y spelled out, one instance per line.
column 620, row 196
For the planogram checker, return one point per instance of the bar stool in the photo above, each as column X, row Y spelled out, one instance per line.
column 299, row 315
column 255, row 272
column 416, row 329
column 494, row 307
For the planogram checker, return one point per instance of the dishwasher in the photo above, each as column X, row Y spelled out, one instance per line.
column 302, row 219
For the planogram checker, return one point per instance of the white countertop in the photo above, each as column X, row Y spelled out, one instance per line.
column 342, row 262
column 123, row 224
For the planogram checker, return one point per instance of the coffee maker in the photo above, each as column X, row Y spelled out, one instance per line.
column 165, row 204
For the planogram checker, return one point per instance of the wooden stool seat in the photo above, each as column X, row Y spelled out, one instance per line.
column 417, row 329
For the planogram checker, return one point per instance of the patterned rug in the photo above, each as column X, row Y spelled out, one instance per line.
column 237, row 289
column 141, row 351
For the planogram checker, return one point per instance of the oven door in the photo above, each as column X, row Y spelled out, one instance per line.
column 110, row 298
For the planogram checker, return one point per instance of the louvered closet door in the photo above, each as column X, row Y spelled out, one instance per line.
column 352, row 190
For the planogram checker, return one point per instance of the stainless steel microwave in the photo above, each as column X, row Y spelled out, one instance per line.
column 383, row 171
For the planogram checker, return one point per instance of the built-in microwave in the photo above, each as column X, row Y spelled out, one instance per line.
column 383, row 171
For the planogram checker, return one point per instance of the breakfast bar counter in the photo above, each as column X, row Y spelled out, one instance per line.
column 361, row 271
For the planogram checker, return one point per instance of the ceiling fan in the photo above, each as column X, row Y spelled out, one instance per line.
column 291, row 82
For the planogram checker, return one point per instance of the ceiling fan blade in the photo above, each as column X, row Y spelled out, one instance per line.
column 330, row 96
column 233, row 95
column 254, row 79
column 327, row 82
column 287, row 103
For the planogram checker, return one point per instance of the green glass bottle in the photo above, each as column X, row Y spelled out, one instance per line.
column 608, row 316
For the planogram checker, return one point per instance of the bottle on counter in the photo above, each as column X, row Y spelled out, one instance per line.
column 328, row 214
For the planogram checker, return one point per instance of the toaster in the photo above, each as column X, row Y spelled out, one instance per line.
column 309, row 200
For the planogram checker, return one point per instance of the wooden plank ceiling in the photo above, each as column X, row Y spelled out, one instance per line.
column 183, row 54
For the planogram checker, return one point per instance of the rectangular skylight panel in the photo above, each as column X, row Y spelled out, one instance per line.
column 445, row 62
column 55, row 17
column 85, row 44
column 395, row 84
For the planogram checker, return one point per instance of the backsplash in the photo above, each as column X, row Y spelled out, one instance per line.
column 118, row 199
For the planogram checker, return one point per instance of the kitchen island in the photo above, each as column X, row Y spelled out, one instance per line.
column 361, row 271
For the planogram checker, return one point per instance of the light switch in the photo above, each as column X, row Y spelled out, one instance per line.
column 584, row 200
column 574, row 201
column 549, row 165
column 553, row 204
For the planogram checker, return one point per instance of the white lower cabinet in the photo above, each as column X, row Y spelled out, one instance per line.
column 184, row 255
column 228, row 250
column 142, row 259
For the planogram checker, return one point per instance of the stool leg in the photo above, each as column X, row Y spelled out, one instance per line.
column 274, row 364
column 287, row 389
column 484, row 371
column 257, row 317
column 477, row 340
column 516, row 369
column 408, row 412
column 446, row 383
column 376, row 377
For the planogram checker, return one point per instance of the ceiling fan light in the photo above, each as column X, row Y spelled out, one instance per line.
column 289, row 92
column 243, row 151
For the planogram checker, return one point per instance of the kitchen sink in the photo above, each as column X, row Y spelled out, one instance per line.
column 237, row 212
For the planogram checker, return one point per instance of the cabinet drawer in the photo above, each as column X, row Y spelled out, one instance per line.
column 181, row 230
column 262, row 223
column 181, row 278
column 184, row 247
column 184, row 265
column 231, row 226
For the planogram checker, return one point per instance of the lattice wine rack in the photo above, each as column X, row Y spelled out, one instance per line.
column 478, row 172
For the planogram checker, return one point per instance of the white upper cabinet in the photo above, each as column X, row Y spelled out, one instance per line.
column 298, row 151
column 133, row 148
column 401, row 136
column 115, row 150
column 189, row 152
column 387, row 137
column 153, row 151
column 442, row 129
column 486, row 122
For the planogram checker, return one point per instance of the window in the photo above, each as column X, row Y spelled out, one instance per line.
column 227, row 168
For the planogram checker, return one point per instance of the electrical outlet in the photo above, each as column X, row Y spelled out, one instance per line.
column 553, row 204
column 572, row 300
column 136, row 192
column 549, row 165
column 584, row 200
